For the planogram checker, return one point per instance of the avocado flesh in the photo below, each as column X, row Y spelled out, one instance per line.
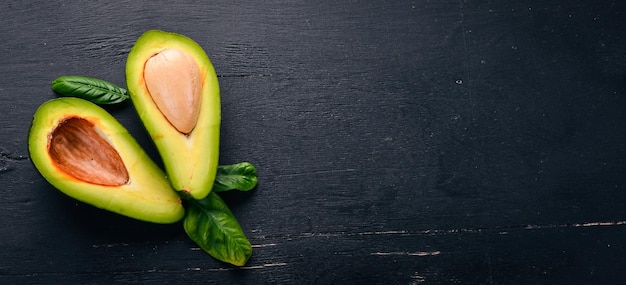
column 85, row 153
column 190, row 158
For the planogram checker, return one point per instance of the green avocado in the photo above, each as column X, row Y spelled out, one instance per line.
column 174, row 88
column 85, row 153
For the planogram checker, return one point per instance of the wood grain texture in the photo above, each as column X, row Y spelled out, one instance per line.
column 401, row 142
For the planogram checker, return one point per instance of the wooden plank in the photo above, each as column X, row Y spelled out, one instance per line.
column 396, row 142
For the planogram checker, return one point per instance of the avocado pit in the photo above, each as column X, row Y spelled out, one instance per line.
column 174, row 82
column 77, row 148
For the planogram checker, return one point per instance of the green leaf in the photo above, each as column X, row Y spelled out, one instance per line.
column 92, row 89
column 211, row 225
column 240, row 176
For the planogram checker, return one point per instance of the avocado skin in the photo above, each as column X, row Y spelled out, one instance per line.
column 191, row 159
column 147, row 196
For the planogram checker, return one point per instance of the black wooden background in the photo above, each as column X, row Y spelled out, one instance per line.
column 396, row 142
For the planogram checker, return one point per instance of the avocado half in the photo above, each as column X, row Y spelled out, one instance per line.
column 85, row 153
column 174, row 88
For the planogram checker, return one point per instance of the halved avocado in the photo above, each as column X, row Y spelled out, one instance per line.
column 85, row 153
column 174, row 88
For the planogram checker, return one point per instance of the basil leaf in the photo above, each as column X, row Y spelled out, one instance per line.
column 92, row 89
column 240, row 176
column 211, row 225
